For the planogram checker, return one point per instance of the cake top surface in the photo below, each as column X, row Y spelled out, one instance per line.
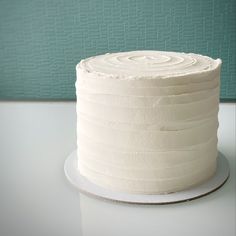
column 148, row 64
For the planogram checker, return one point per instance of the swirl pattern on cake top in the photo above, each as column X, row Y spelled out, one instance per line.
column 147, row 120
column 148, row 64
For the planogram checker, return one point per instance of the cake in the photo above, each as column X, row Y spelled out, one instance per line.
column 147, row 120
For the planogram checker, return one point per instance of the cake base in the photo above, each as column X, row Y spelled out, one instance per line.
column 87, row 187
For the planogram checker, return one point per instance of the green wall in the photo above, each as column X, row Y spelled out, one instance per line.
column 41, row 41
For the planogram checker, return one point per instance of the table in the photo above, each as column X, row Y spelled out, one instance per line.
column 36, row 198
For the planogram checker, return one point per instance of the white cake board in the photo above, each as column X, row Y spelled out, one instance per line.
column 87, row 187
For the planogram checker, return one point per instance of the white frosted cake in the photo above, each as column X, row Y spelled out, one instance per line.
column 147, row 120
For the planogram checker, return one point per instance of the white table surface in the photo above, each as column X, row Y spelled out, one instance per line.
column 36, row 198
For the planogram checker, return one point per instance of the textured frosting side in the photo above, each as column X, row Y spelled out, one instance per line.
column 147, row 120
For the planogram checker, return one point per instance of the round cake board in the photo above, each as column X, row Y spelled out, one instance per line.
column 87, row 187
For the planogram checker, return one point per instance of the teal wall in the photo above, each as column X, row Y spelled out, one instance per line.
column 41, row 41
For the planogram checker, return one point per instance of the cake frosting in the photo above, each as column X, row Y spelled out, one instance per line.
column 147, row 120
